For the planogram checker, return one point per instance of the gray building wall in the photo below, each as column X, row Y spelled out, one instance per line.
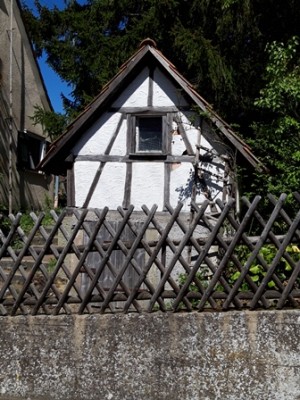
column 196, row 356
column 29, row 188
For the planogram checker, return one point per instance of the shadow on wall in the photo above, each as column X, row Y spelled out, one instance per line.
column 204, row 185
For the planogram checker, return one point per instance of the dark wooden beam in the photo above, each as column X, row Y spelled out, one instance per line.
column 127, row 188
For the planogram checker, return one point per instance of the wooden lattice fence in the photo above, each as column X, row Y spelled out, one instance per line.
column 92, row 260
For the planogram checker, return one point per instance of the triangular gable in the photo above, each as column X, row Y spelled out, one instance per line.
column 57, row 158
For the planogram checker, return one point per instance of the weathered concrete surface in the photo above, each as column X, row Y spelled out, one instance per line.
column 231, row 356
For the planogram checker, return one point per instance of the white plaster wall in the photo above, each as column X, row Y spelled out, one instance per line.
column 110, row 189
column 164, row 92
column 97, row 137
column 181, row 185
column 147, row 184
column 148, row 178
column 136, row 93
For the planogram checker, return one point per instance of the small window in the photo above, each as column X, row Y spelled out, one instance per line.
column 31, row 149
column 149, row 134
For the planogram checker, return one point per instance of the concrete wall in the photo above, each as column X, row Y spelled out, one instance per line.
column 233, row 355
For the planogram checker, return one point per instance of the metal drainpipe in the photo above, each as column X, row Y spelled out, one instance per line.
column 10, row 142
column 56, row 186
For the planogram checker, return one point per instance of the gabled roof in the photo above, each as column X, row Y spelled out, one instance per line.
column 55, row 159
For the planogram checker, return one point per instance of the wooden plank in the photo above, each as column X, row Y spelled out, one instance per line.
column 167, row 178
column 166, row 294
column 169, row 135
column 148, row 110
column 150, row 87
column 127, row 188
column 183, row 134
column 70, row 187
column 136, row 157
column 131, row 123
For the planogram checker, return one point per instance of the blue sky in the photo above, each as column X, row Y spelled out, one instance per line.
column 55, row 86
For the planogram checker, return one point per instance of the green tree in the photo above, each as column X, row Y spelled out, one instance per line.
column 219, row 45
column 214, row 43
column 276, row 139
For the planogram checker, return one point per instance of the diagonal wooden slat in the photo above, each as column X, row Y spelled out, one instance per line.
column 38, row 264
column 105, row 260
column 153, row 256
column 217, row 273
column 18, row 259
column 71, row 244
column 213, row 268
column 128, row 258
column 59, row 260
column 176, row 255
column 6, row 241
column 135, row 265
column 255, row 251
column 47, row 298
column 184, row 263
column 276, row 260
column 108, row 264
column 3, row 275
column 284, row 215
column 241, row 235
column 204, row 252
column 80, row 263
column 99, row 247
column 277, row 243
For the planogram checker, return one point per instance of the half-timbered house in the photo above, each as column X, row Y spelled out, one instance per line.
column 148, row 138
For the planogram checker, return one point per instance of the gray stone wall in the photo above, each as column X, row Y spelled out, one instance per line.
column 233, row 355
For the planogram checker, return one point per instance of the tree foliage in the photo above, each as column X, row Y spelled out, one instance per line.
column 219, row 45
column 277, row 138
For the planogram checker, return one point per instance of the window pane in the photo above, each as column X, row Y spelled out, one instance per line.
column 29, row 151
column 149, row 134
